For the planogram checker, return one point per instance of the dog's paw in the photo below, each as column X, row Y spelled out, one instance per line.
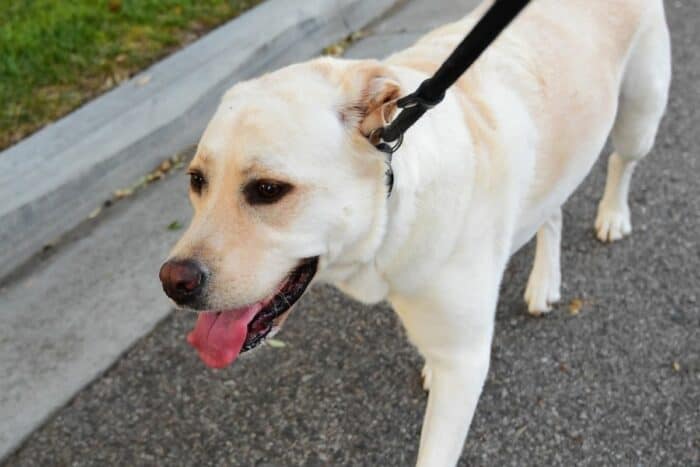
column 541, row 292
column 612, row 224
column 427, row 374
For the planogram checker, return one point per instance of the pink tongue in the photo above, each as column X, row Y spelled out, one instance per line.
column 219, row 337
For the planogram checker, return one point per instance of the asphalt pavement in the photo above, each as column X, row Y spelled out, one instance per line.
column 610, row 377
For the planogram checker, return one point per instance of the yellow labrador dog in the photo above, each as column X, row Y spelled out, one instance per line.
column 287, row 188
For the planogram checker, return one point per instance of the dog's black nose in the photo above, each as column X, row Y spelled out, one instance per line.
column 183, row 280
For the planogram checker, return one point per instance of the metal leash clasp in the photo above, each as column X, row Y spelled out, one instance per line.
column 375, row 138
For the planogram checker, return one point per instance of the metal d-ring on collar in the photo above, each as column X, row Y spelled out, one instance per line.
column 375, row 137
column 432, row 90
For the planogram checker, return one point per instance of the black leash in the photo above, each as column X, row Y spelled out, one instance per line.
column 432, row 90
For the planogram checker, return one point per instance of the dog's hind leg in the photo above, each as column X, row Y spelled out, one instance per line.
column 641, row 105
column 545, row 278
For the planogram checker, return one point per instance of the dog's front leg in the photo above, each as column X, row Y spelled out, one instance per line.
column 453, row 333
column 454, row 392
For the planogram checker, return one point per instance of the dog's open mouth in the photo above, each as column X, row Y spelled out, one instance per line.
column 220, row 336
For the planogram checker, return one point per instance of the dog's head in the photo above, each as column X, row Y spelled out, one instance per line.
column 284, row 184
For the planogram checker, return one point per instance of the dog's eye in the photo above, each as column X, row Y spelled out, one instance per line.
column 265, row 191
column 197, row 181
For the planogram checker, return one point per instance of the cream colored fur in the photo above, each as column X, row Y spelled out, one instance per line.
column 476, row 179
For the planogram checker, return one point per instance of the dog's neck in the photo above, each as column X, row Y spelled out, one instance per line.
column 447, row 174
column 433, row 173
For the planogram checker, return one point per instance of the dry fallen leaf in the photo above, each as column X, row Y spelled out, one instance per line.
column 275, row 343
column 575, row 306
column 334, row 50
column 155, row 175
column 174, row 225
column 123, row 193
column 339, row 47
column 165, row 165
column 357, row 35
column 109, row 82
column 143, row 80
column 120, row 76
column 158, row 173
column 95, row 212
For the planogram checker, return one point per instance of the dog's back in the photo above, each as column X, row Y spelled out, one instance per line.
column 568, row 61
column 573, row 26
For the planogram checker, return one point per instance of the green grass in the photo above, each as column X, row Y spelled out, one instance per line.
column 56, row 54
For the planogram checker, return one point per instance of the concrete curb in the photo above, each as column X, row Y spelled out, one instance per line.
column 54, row 179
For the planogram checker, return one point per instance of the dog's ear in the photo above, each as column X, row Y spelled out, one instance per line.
column 370, row 91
